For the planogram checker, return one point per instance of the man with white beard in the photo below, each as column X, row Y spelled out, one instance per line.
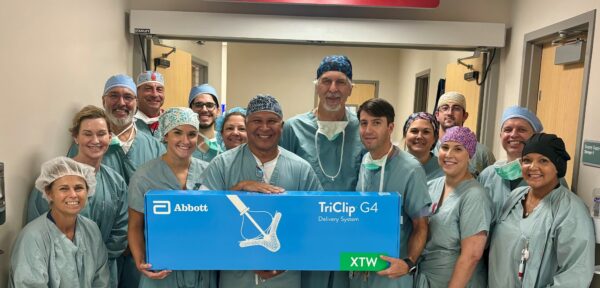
column 327, row 137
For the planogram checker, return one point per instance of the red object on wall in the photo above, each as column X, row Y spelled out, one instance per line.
column 369, row 3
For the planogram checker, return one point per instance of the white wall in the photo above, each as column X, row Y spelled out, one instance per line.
column 547, row 13
column 56, row 57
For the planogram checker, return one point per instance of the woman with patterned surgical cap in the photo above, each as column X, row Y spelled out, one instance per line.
column 460, row 219
column 421, row 132
column 544, row 236
column 174, row 170
column 232, row 128
column 108, row 206
column 61, row 248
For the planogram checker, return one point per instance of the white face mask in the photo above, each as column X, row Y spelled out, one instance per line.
column 331, row 129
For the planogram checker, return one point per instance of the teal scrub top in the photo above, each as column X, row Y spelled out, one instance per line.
column 107, row 208
column 205, row 156
column 499, row 189
column 403, row 174
column 144, row 128
column 299, row 138
column 143, row 149
column 156, row 175
column 43, row 256
column 464, row 213
column 432, row 168
column 291, row 173
column 561, row 241
column 483, row 158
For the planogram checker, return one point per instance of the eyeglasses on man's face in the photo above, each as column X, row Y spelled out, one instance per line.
column 209, row 105
column 115, row 96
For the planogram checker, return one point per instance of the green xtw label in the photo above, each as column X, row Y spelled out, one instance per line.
column 362, row 262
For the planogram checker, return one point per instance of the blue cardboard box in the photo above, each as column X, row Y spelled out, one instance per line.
column 225, row 230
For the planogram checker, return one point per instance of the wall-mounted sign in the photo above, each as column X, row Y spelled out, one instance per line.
column 368, row 3
column 591, row 153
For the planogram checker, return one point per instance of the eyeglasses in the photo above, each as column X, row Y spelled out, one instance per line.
column 453, row 108
column 260, row 174
column 338, row 82
column 209, row 105
column 114, row 97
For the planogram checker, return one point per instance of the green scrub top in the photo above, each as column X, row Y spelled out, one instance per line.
column 560, row 237
column 464, row 213
column 403, row 174
column 156, row 175
column 432, row 168
column 483, row 157
column 299, row 138
column 107, row 208
column 291, row 172
column 143, row 149
column 43, row 256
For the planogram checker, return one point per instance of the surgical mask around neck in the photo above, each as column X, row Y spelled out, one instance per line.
column 510, row 170
column 331, row 129
column 211, row 143
column 373, row 164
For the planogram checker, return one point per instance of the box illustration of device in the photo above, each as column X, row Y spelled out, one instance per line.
column 227, row 230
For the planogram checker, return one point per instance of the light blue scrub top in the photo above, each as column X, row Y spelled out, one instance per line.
column 205, row 156
column 561, row 242
column 107, row 208
column 156, row 175
column 464, row 213
column 291, row 173
column 299, row 138
column 432, row 168
column 403, row 174
column 43, row 256
column 143, row 149
column 483, row 157
column 499, row 189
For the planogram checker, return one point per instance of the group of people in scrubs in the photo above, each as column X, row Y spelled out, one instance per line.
column 467, row 221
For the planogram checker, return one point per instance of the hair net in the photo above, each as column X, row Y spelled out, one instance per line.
column 550, row 146
column 523, row 113
column 120, row 81
column 176, row 116
column 202, row 89
column 462, row 135
column 339, row 63
column 264, row 103
column 150, row 77
column 63, row 166
column 453, row 97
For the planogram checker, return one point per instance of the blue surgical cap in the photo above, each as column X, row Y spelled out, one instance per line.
column 202, row 89
column 262, row 103
column 120, row 80
column 339, row 63
column 523, row 113
column 150, row 77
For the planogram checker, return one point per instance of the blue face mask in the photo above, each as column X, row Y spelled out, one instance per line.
column 510, row 170
column 212, row 144
column 115, row 141
column 372, row 164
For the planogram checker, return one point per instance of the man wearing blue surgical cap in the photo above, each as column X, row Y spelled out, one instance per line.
column 260, row 165
column 327, row 137
column 151, row 97
column 204, row 100
column 517, row 125
column 128, row 149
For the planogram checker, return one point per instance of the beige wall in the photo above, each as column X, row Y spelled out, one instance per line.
column 56, row 57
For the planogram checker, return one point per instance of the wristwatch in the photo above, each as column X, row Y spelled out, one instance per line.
column 411, row 265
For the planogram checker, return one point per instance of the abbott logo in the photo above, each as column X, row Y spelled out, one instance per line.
column 161, row 207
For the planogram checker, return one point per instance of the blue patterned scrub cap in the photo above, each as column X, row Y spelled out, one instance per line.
column 120, row 80
column 339, row 63
column 176, row 116
column 266, row 103
column 150, row 77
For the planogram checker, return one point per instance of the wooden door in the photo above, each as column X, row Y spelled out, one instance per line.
column 559, row 99
column 178, row 77
column 455, row 81
column 361, row 92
